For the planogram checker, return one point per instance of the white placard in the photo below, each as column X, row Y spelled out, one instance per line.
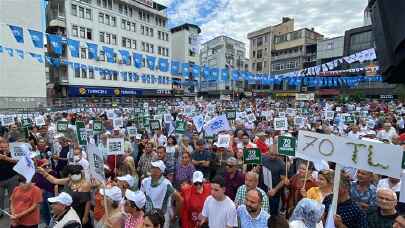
column 110, row 114
column 198, row 122
column 168, row 118
column 211, row 108
column 338, row 109
column 290, row 112
column 115, row 146
column 7, row 120
column 379, row 158
column 223, row 141
column 26, row 168
column 251, row 118
column 329, row 115
column 281, row 114
column 39, row 121
column 96, row 162
column 216, row 125
column 304, row 96
column 132, row 131
column 118, row 123
column 299, row 121
column 188, row 110
column 19, row 150
column 280, row 124
column 146, row 106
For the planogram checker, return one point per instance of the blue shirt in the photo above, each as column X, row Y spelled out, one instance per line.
column 369, row 197
column 246, row 221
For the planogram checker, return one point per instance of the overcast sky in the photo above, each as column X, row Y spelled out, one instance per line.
column 236, row 18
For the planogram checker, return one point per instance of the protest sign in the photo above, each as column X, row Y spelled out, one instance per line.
column 211, row 108
column 96, row 162
column 216, row 125
column 304, row 96
column 61, row 126
column 97, row 127
column 154, row 125
column 81, row 133
column 19, row 150
column 280, row 124
column 252, row 156
column 379, row 158
column 110, row 114
column 118, row 123
column 25, row 167
column 198, row 122
column 7, row 120
column 329, row 115
column 180, row 127
column 188, row 110
column 299, row 121
column 286, row 145
column 115, row 146
column 223, row 141
column 230, row 114
column 26, row 122
column 251, row 118
column 132, row 131
column 168, row 118
column 40, row 121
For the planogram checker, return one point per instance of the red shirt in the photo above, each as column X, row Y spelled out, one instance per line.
column 21, row 200
column 264, row 149
column 193, row 204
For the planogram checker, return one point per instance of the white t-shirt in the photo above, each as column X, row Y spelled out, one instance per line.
column 220, row 214
column 384, row 183
column 300, row 224
column 353, row 136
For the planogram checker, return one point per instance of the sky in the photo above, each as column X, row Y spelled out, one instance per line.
column 236, row 18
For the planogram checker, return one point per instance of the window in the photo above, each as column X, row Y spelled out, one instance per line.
column 134, row 44
column 133, row 27
column 108, row 38
column 124, row 42
column 130, row 11
column 81, row 12
column 107, row 19
column 84, row 73
column 259, row 54
column 115, row 75
column 113, row 21
column 120, row 8
column 105, row 3
column 75, row 32
column 123, row 23
column 99, row 2
column 91, row 73
column 159, row 35
column 82, row 32
column 151, row 32
column 102, row 56
column 88, row 14
column 128, row 26
column 101, row 18
column 114, row 39
column 102, row 37
column 143, row 29
column 74, row 10
column 259, row 41
column 89, row 34
column 143, row 46
column 151, row 49
column 109, row 4
column 259, row 67
column 77, row 73
column 83, row 53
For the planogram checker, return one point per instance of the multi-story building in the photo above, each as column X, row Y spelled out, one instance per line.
column 261, row 43
column 329, row 49
column 20, row 75
column 131, row 25
column 185, row 47
column 223, row 52
column 358, row 39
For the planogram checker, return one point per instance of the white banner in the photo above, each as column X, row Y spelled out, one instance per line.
column 96, row 162
column 280, row 124
column 115, row 146
column 19, row 150
column 305, row 96
column 7, row 120
column 198, row 122
column 40, row 121
column 379, row 158
column 223, row 141
column 216, row 125
column 132, row 131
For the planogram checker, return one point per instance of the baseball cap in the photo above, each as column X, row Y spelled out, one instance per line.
column 127, row 178
column 198, row 176
column 232, row 161
column 137, row 197
column 62, row 198
column 113, row 193
column 159, row 164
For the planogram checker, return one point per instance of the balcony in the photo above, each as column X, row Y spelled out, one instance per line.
column 286, row 56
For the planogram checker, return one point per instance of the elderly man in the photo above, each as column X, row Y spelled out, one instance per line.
column 159, row 191
column 251, row 182
column 234, row 178
column 251, row 213
column 64, row 216
column 363, row 192
column 384, row 215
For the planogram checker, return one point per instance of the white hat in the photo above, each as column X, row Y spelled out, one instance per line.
column 198, row 176
column 138, row 136
column 159, row 164
column 127, row 178
column 113, row 193
column 62, row 198
column 137, row 197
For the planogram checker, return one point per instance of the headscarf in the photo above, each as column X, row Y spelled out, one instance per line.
column 309, row 212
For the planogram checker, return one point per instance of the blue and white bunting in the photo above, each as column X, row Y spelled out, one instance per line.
column 92, row 49
column 37, row 38
column 196, row 71
column 125, row 56
column 20, row 53
column 151, row 61
column 18, row 33
column 137, row 60
column 109, row 53
column 10, row 51
column 73, row 47
column 56, row 43
column 175, row 67
column 185, row 70
column 163, row 64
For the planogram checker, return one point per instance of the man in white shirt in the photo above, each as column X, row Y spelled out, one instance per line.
column 388, row 133
column 219, row 209
column 354, row 133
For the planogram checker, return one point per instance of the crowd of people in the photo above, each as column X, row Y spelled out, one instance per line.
column 188, row 179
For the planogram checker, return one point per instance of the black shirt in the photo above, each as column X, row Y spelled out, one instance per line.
column 277, row 169
column 6, row 170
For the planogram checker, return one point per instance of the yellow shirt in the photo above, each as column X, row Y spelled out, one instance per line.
column 315, row 194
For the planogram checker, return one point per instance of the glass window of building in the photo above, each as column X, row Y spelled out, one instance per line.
column 113, row 21
column 84, row 73
column 102, row 40
column 91, row 73
column 88, row 14
column 114, row 39
column 101, row 18
column 83, row 53
column 77, row 72
column 82, row 32
column 74, row 10
column 81, row 12
column 89, row 34
column 75, row 31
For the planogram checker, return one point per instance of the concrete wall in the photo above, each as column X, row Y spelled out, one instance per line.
column 330, row 48
column 21, row 78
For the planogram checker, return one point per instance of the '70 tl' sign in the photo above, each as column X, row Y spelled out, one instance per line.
column 380, row 158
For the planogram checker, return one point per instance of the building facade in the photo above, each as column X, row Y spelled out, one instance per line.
column 134, row 26
column 21, row 77
column 329, row 49
column 185, row 47
column 261, row 45
column 223, row 52
column 358, row 39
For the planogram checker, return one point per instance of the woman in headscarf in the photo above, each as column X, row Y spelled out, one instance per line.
column 307, row 214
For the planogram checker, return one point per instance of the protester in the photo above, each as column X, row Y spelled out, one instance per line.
column 233, row 178
column 134, row 207
column 201, row 158
column 251, row 214
column 147, row 157
column 63, row 215
column 115, row 216
column 251, row 183
column 385, row 213
column 308, row 213
column 153, row 219
column 25, row 202
column 325, row 183
column 8, row 177
column 363, row 192
column 218, row 209
column 184, row 170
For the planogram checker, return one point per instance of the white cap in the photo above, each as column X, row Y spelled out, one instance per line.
column 198, row 176
column 113, row 193
column 159, row 164
column 127, row 178
column 137, row 197
column 62, row 198
column 138, row 136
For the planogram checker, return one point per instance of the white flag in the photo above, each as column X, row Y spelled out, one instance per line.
column 26, row 168
column 198, row 122
column 216, row 125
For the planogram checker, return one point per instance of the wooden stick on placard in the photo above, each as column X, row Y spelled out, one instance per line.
column 306, row 175
column 286, row 166
column 105, row 202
